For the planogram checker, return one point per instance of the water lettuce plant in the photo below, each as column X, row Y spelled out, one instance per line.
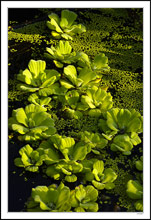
column 101, row 178
column 139, row 164
column 65, row 27
column 95, row 142
column 61, row 54
column 32, row 123
column 50, row 199
column 97, row 101
column 124, row 120
column 123, row 126
column 30, row 159
column 63, row 156
column 135, row 191
column 81, row 80
column 75, row 92
column 39, row 79
column 40, row 101
column 83, row 199
column 100, row 62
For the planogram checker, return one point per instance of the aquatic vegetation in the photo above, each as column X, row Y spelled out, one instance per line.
column 64, row 27
column 101, row 178
column 84, row 199
column 100, row 62
column 38, row 78
column 135, row 192
column 32, row 123
column 30, row 159
column 95, row 141
column 51, row 199
column 61, row 54
column 81, row 122
column 79, row 81
column 139, row 164
column 97, row 100
column 123, row 126
column 41, row 101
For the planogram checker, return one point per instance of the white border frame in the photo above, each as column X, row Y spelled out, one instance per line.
column 4, row 126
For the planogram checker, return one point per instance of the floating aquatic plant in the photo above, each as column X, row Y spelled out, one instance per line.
column 50, row 199
column 135, row 191
column 41, row 101
column 83, row 199
column 101, row 178
column 61, row 54
column 39, row 79
column 32, row 123
column 30, row 159
column 65, row 27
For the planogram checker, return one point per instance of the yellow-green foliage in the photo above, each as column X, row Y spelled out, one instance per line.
column 115, row 32
column 122, row 166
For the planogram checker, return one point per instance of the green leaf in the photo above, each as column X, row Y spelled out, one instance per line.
column 86, row 75
column 98, row 166
column 26, row 149
column 64, row 47
column 100, row 62
column 53, row 25
column 66, row 84
column 72, row 98
column 135, row 139
column 19, row 128
column 48, row 82
column 80, row 151
column 109, row 176
column 58, row 64
column 95, row 113
column 20, row 116
column 67, row 18
column 112, row 119
column 98, row 185
column 139, row 165
column 109, row 185
column 80, row 193
column 52, row 172
column 134, row 189
column 63, row 197
column 36, row 67
column 71, row 73
column 90, row 207
column 79, row 209
column 139, row 205
column 18, row 162
column 71, row 178
column 91, row 193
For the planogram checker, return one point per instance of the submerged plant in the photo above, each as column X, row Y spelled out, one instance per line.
column 39, row 79
column 50, row 199
column 65, row 27
column 61, row 54
column 83, row 199
column 32, row 123
column 30, row 159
